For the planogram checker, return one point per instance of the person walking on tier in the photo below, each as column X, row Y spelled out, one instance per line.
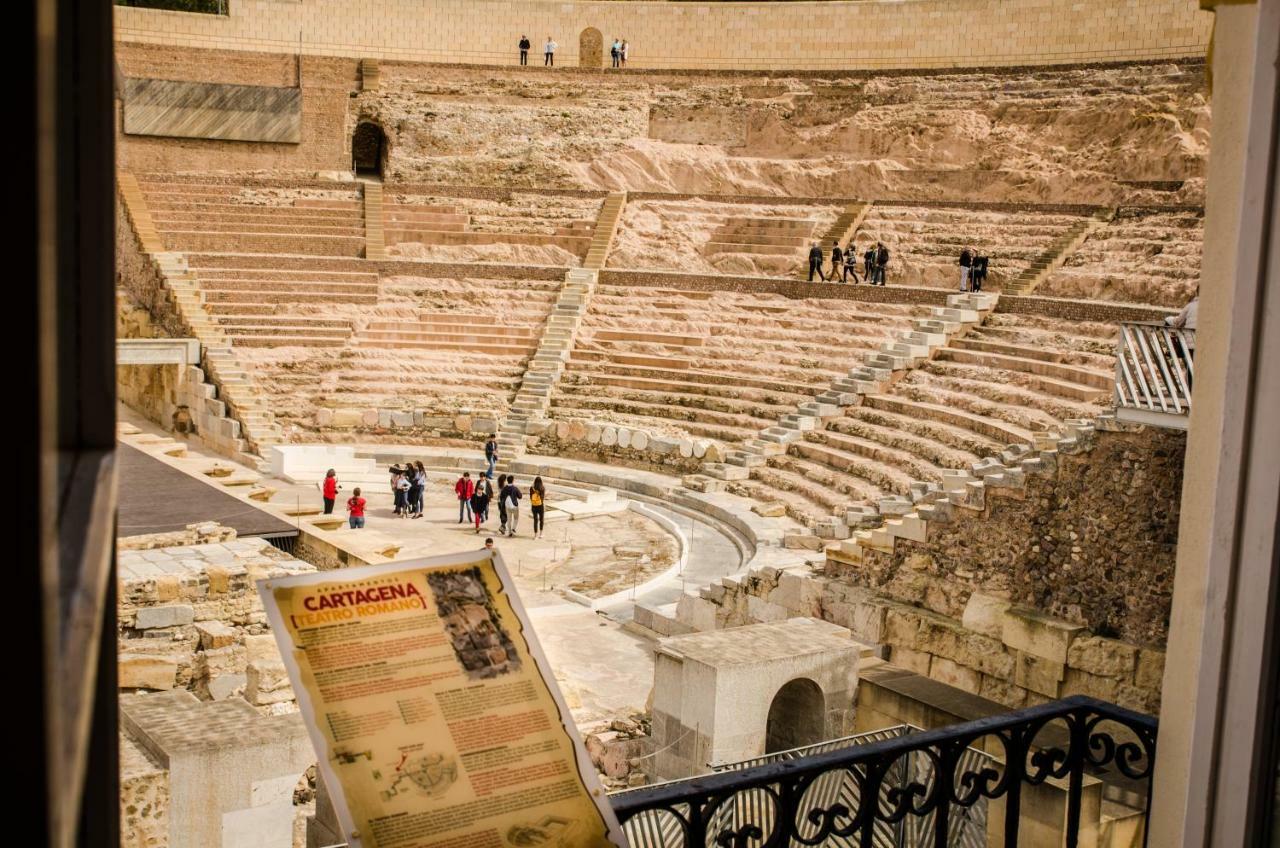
column 966, row 268
column 480, row 503
column 837, row 259
column 615, row 52
column 524, row 49
column 464, row 489
column 509, row 497
column 491, row 453
column 549, row 52
column 850, row 265
column 815, row 262
column 355, row 509
column 329, row 490
column 538, row 505
column 882, row 262
column 486, row 484
column 869, row 264
column 502, row 505
column 978, row 275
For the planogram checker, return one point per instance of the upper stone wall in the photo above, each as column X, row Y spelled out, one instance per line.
column 917, row 34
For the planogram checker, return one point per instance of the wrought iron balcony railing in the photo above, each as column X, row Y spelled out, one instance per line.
column 1154, row 370
column 860, row 796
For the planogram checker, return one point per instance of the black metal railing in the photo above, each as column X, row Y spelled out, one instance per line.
column 849, row 796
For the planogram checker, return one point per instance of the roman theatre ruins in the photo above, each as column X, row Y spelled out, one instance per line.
column 780, row 512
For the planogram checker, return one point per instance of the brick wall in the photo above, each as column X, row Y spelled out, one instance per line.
column 921, row 33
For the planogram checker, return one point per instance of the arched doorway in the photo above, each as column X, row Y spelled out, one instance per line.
column 368, row 149
column 591, row 48
column 796, row 717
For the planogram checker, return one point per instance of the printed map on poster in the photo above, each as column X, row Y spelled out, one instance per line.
column 433, row 712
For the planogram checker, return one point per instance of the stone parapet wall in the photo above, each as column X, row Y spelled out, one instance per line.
column 797, row 288
column 607, row 442
column 1080, row 310
column 762, row 35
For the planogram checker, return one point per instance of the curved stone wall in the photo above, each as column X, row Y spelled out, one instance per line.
column 858, row 34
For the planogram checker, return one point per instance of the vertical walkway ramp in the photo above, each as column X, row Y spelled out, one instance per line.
column 375, row 242
column 606, row 228
column 1058, row 252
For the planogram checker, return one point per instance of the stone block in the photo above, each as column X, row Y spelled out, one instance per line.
column 1103, row 657
column 1149, row 673
column 624, row 437
column 346, row 418
column 369, row 418
column 951, row 673
column 985, row 614
column 774, row 509
column 146, row 671
column 224, row 686
column 402, row 420
column 267, row 682
column 1033, row 632
column 324, row 417
column 167, row 615
column 462, row 423
column 1039, row 675
column 609, row 436
column 215, row 634
column 802, row 541
column 905, row 658
column 760, row 611
column 261, row 648
column 1077, row 682
column 1002, row 692
column 594, row 432
column 484, row 425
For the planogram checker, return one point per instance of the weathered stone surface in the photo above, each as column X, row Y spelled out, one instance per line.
column 1033, row 632
column 953, row 674
column 145, row 671
column 985, row 614
column 1103, row 657
column 773, row 509
column 1149, row 674
column 215, row 634
column 1039, row 675
column 267, row 682
column 168, row 615
column 916, row 661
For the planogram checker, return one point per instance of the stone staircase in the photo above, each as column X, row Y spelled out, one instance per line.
column 534, row 395
column 879, row 369
column 606, row 228
column 375, row 246
column 1057, row 253
column 237, row 395
column 533, row 398
column 843, row 228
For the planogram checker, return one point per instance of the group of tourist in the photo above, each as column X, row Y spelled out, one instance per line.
column 973, row 270
column 617, row 51
column 875, row 263
column 475, row 496
column 409, row 482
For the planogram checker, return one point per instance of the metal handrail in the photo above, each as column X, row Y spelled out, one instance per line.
column 1155, row 367
column 1062, row 740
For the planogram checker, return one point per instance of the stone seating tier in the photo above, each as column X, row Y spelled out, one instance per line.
column 964, row 405
column 720, row 365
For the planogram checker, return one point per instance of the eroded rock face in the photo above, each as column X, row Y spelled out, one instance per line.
column 1032, row 136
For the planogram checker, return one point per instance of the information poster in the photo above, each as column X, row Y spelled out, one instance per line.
column 434, row 714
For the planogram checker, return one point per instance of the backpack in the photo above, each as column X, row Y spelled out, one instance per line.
column 535, row 497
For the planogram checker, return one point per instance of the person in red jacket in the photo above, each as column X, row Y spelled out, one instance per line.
column 464, row 489
column 329, row 490
column 355, row 509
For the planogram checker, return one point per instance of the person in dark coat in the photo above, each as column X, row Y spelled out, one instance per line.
column 815, row 263
column 524, row 49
